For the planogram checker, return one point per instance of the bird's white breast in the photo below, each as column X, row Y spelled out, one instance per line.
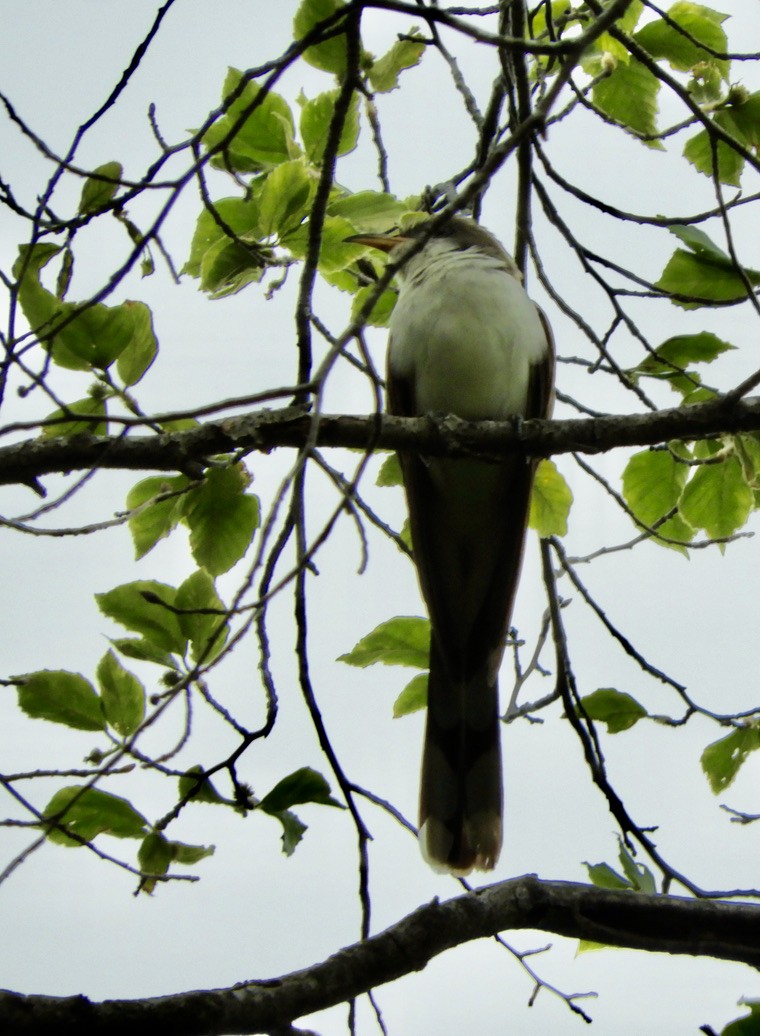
column 467, row 334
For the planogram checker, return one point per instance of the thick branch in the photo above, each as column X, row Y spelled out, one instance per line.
column 188, row 451
column 626, row 919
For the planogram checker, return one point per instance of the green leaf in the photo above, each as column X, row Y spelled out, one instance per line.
column 122, row 694
column 292, row 830
column 722, row 760
column 369, row 211
column 604, row 877
column 550, row 501
column 304, row 785
column 143, row 651
column 726, row 160
column 229, row 266
column 413, row 698
column 88, row 812
column 390, row 472
column 139, row 607
column 636, row 877
column 702, row 24
column 285, row 197
column 191, row 854
column 330, row 55
column 678, row 353
column 222, row 518
column 702, row 244
column 207, row 633
column 140, row 351
column 629, row 96
column 380, row 314
column 256, row 131
column 748, row 1024
column 88, row 407
column 703, row 280
column 156, row 853
column 653, row 481
column 717, row 498
column 384, row 73
column 744, row 111
column 61, row 697
column 639, row 876
column 154, row 857
column 93, row 336
column 190, row 788
column 336, row 253
column 154, row 521
column 615, row 708
column 626, row 23
column 210, row 239
column 316, row 118
column 403, row 640
column 96, row 194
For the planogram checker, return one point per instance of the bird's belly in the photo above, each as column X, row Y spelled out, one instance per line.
column 467, row 341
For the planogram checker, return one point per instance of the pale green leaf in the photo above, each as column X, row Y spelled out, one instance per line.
column 97, row 193
column 413, row 698
column 550, row 501
column 384, row 73
column 241, row 216
column 292, row 830
column 62, row 422
column 380, row 314
column 222, row 518
column 748, row 1024
column 330, row 55
column 678, row 353
column 197, row 790
column 701, row 280
column 143, row 651
column 682, row 51
column 629, row 97
column 154, row 521
column 316, row 119
column 304, row 785
column 370, row 212
column 722, row 760
column 88, row 812
column 255, row 132
column 605, row 877
column 61, row 697
column 652, row 484
column 725, row 160
column 717, row 498
column 122, row 694
column 336, row 253
column 141, row 348
column 285, row 197
column 139, row 606
column 617, row 709
column 154, row 857
column 390, row 472
column 202, row 616
column 403, row 640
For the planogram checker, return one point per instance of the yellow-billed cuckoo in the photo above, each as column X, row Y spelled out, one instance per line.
column 465, row 339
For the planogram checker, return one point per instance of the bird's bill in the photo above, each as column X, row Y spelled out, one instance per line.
column 385, row 242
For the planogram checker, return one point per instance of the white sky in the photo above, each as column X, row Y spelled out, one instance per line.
column 75, row 925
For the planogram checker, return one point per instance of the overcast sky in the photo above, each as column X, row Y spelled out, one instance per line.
column 75, row 927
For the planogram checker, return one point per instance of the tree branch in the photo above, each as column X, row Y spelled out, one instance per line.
column 618, row 918
column 24, row 462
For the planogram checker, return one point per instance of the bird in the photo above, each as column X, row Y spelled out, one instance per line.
column 465, row 339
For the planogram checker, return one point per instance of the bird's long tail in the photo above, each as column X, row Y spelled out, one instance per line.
column 461, row 786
